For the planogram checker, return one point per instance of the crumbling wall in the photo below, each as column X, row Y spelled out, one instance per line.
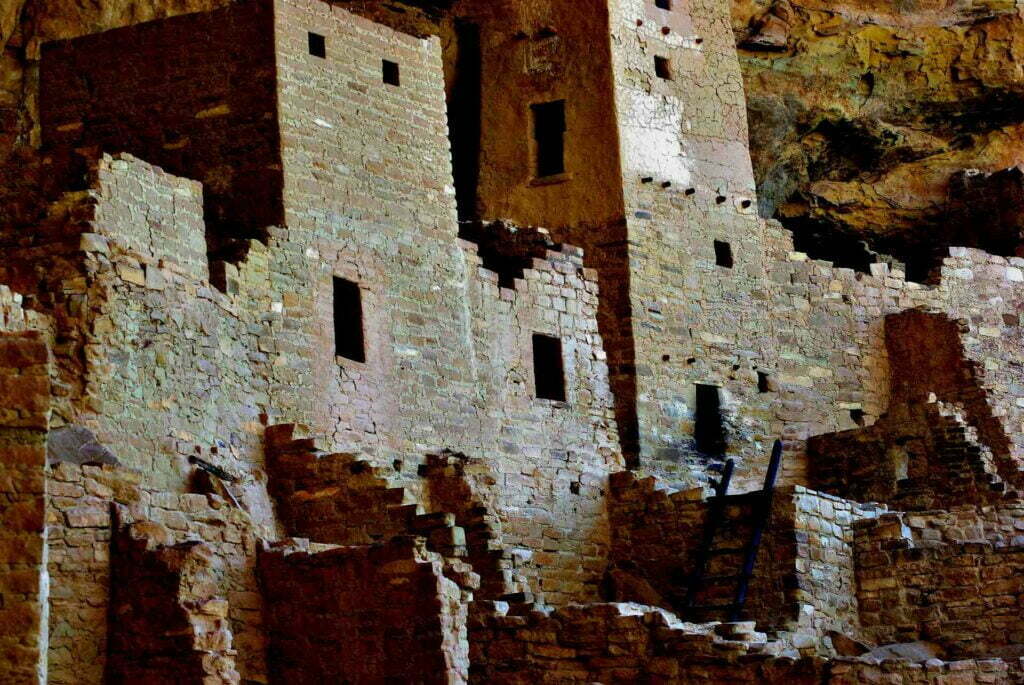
column 621, row 643
column 168, row 625
column 431, row 317
column 965, row 597
column 915, row 457
column 368, row 613
column 548, row 467
column 171, row 228
column 150, row 327
column 172, row 365
column 82, row 563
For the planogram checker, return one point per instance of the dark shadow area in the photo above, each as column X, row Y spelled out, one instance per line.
column 464, row 103
column 548, row 368
column 709, row 431
column 506, row 249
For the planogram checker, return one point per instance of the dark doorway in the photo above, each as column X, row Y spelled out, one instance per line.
column 549, row 134
column 348, row 321
column 548, row 367
column 709, row 432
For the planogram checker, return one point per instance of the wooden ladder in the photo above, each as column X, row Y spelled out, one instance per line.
column 761, row 514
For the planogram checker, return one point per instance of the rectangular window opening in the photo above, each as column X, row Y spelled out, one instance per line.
column 549, row 134
column 763, row 384
column 348, row 321
column 663, row 68
column 663, row 4
column 317, row 45
column 723, row 254
column 548, row 368
column 709, row 431
column 392, row 76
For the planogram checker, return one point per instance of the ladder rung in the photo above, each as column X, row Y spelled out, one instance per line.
column 700, row 607
column 726, row 550
column 728, row 576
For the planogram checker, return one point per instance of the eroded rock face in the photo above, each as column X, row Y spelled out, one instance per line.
column 862, row 111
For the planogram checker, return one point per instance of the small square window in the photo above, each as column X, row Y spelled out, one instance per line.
column 663, row 68
column 723, row 254
column 391, row 73
column 317, row 45
column 663, row 4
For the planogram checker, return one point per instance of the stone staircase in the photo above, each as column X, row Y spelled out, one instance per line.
column 341, row 499
column 450, row 478
column 963, row 462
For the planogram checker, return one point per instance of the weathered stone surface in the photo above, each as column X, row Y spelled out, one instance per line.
column 864, row 113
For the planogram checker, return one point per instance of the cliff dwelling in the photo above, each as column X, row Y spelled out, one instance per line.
column 511, row 341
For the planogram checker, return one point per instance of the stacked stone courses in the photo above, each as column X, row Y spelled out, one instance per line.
column 200, row 484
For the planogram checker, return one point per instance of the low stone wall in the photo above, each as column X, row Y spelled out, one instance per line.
column 381, row 613
column 623, row 643
column 965, row 597
column 804, row 575
column 1001, row 525
column 823, row 578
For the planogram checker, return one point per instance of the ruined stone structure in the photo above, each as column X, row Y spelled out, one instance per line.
column 406, row 342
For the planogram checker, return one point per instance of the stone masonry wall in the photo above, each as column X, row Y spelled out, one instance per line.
column 449, row 362
column 965, row 596
column 79, row 525
column 623, row 643
column 804, row 576
column 144, row 400
column 203, row 109
column 814, row 331
column 24, row 417
column 168, row 626
column 363, row 614
column 172, row 365
column 152, row 213
column 535, row 53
